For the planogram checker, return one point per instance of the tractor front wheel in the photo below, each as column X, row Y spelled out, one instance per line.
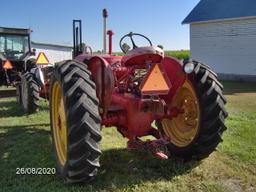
column 29, row 93
column 75, row 122
column 196, row 132
column 18, row 93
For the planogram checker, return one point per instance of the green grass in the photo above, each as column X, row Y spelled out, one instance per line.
column 179, row 54
column 25, row 142
column 6, row 88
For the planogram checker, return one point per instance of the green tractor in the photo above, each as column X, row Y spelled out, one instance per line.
column 18, row 67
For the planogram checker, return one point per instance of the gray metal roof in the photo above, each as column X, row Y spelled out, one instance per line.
column 18, row 31
column 51, row 45
column 207, row 10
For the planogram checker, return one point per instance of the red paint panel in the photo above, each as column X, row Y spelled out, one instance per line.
column 137, row 123
column 141, row 59
column 175, row 73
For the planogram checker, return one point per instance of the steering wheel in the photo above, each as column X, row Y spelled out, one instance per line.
column 130, row 35
column 12, row 53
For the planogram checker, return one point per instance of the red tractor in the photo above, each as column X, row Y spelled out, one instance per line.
column 179, row 103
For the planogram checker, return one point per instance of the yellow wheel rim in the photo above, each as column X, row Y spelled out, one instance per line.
column 59, row 123
column 183, row 128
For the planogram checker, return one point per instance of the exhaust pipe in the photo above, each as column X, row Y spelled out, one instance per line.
column 105, row 15
column 110, row 34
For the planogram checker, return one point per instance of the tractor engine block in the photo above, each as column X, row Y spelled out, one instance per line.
column 135, row 81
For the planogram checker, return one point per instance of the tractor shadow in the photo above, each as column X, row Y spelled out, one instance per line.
column 10, row 108
column 24, row 146
column 122, row 168
column 30, row 146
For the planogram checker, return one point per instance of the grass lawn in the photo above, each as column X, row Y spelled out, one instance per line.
column 25, row 142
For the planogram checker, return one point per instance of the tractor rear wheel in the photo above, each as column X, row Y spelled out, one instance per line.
column 196, row 132
column 29, row 93
column 75, row 122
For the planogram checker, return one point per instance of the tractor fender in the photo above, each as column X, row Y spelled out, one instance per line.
column 29, row 63
column 103, row 77
column 174, row 71
column 38, row 75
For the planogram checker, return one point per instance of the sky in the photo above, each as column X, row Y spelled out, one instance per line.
column 51, row 20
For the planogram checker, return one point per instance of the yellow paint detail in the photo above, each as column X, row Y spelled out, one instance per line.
column 42, row 59
column 183, row 128
column 155, row 81
column 59, row 123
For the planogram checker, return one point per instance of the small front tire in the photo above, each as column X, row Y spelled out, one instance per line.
column 18, row 93
column 29, row 93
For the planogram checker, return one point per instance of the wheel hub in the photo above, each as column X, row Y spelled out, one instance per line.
column 182, row 129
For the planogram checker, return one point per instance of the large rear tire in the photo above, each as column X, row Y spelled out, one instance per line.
column 29, row 93
column 196, row 133
column 75, row 122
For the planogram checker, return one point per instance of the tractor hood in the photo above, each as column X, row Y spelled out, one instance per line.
column 146, row 50
column 143, row 55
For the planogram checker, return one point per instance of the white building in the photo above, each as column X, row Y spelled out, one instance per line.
column 54, row 53
column 223, row 35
